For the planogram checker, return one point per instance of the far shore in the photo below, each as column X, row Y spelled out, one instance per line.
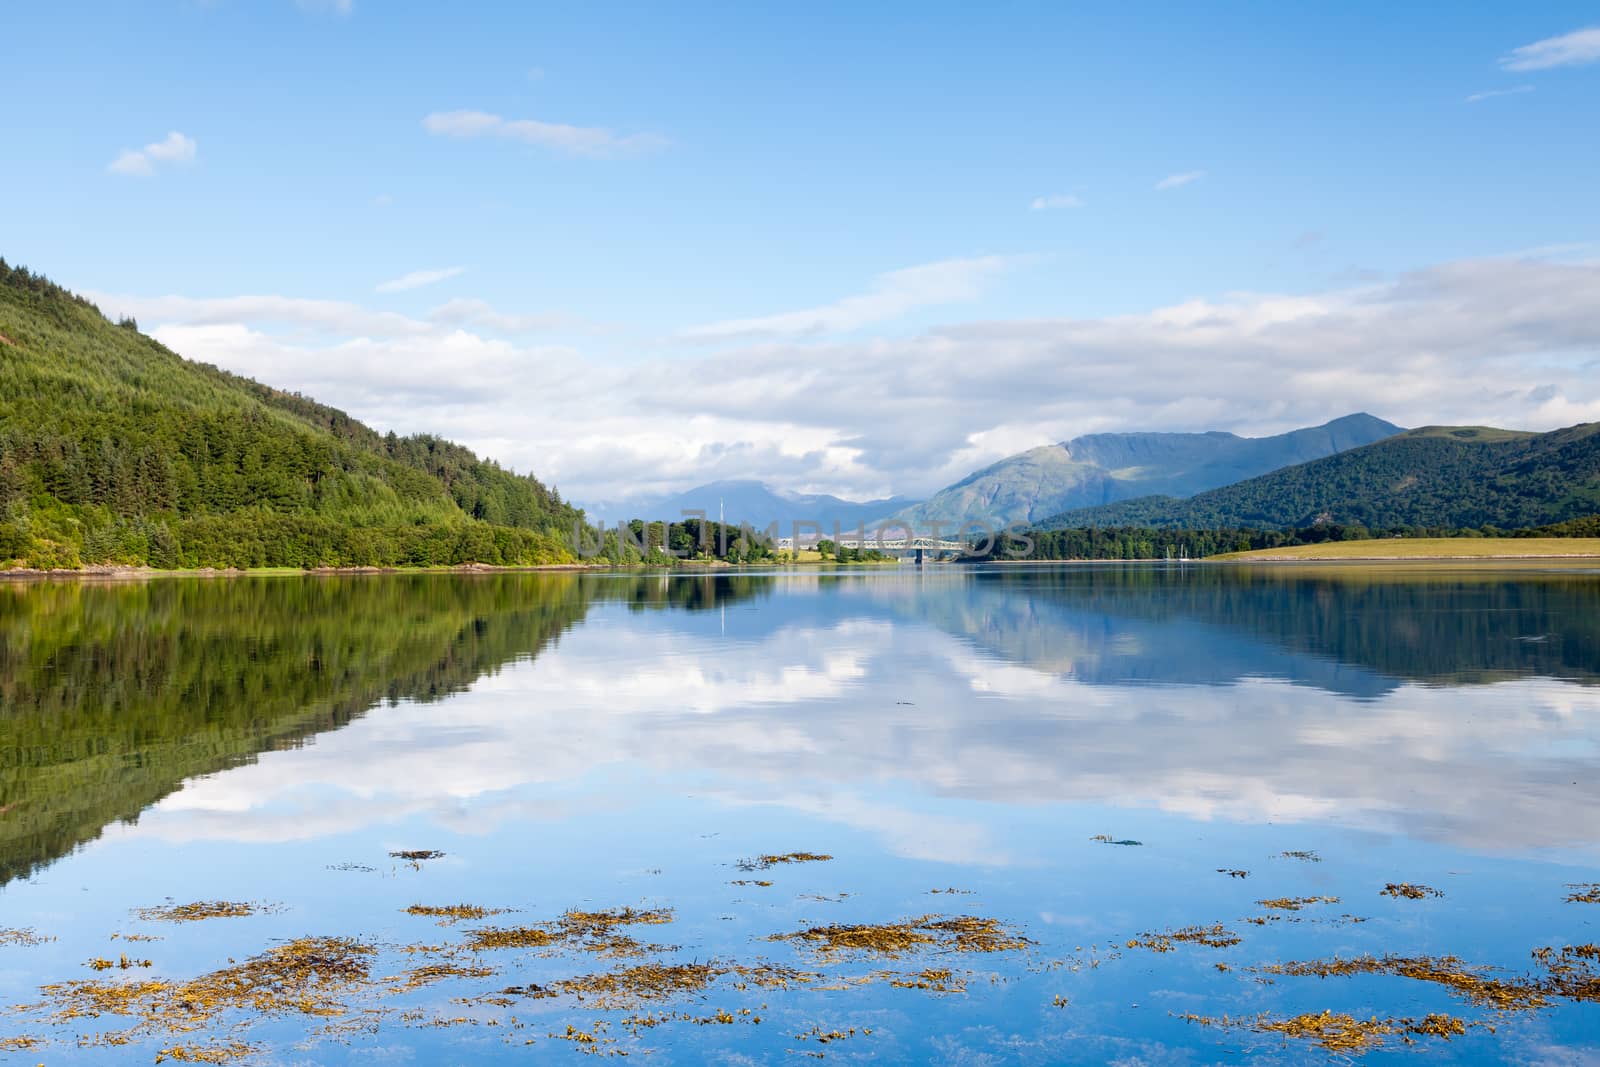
column 1425, row 549
column 129, row 572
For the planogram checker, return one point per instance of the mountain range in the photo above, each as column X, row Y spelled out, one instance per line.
column 1438, row 476
column 1102, row 468
column 754, row 503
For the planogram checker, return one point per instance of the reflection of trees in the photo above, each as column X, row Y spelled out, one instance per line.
column 1344, row 629
column 112, row 694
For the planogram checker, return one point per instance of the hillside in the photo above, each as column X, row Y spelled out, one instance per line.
column 114, row 449
column 1438, row 477
column 757, row 504
column 1102, row 468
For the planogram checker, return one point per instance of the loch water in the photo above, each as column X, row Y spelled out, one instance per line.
column 1136, row 814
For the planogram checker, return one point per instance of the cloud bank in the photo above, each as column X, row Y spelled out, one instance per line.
column 801, row 399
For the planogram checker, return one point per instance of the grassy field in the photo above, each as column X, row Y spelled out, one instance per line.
column 1430, row 548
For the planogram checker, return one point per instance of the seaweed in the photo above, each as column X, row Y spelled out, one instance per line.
column 966, row 933
column 1409, row 891
column 1295, row 903
column 767, row 862
column 1214, row 936
column 203, row 909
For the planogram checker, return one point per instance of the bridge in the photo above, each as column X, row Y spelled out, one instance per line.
column 919, row 549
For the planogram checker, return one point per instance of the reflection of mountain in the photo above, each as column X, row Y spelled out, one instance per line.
column 111, row 695
column 1355, row 631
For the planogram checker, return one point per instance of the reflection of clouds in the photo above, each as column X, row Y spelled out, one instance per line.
column 866, row 723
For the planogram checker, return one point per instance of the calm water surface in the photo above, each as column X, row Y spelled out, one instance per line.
column 599, row 741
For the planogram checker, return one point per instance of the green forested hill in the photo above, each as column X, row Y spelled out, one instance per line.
column 1437, row 477
column 114, row 449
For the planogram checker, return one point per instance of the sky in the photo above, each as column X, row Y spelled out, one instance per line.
column 859, row 249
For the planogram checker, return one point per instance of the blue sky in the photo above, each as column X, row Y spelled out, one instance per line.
column 850, row 248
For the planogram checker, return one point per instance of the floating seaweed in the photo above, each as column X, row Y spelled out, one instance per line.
column 645, row 982
column 203, row 909
column 1584, row 893
column 1295, row 903
column 1409, row 891
column 427, row 974
column 1302, row 854
column 1214, row 936
column 309, row 975
column 823, row 1037
column 965, row 933
column 1448, row 971
column 222, row 1053
column 27, row 937
column 1233, row 872
column 1340, row 1032
column 931, row 979
column 1107, row 839
column 764, row 863
column 590, row 931
column 416, row 857
column 100, row 963
column 453, row 913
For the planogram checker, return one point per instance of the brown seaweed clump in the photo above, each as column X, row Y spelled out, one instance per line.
column 1214, row 936
column 645, row 982
column 1340, row 1032
column 100, row 963
column 1584, row 893
column 222, row 1053
column 1409, row 891
column 1305, row 855
column 1295, row 903
column 20, row 1043
column 966, row 933
column 1448, row 971
column 201, row 909
column 27, row 936
column 310, row 975
column 591, row 931
column 766, row 863
column 453, row 913
column 931, row 979
column 417, row 977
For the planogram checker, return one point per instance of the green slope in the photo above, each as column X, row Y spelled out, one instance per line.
column 1102, row 468
column 115, row 449
column 1435, row 477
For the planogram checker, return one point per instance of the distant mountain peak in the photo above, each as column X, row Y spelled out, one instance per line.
column 1102, row 468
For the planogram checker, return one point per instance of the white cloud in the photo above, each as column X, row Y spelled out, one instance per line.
column 892, row 295
column 1174, row 181
column 468, row 312
column 141, row 162
column 1490, row 94
column 591, row 141
column 1011, row 708
column 1568, row 50
column 417, row 279
column 1508, row 341
column 1057, row 200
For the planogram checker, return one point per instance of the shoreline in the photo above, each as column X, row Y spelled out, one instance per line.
column 132, row 572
